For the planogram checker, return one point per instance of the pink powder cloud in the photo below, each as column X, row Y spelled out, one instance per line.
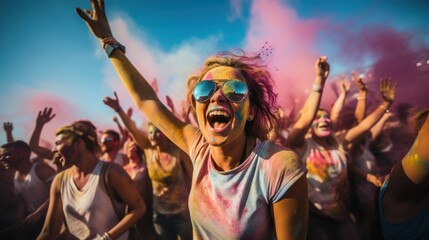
column 32, row 103
column 292, row 51
column 395, row 55
column 65, row 112
column 291, row 54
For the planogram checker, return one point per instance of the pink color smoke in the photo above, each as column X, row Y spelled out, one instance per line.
column 291, row 40
column 395, row 55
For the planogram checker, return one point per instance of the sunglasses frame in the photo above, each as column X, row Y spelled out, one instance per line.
column 107, row 140
column 221, row 89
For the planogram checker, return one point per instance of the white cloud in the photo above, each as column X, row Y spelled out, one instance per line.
column 170, row 68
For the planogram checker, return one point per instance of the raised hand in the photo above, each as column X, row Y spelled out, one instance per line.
column 8, row 127
column 44, row 116
column 344, row 85
column 96, row 19
column 130, row 112
column 387, row 89
column 322, row 68
column 113, row 103
column 359, row 82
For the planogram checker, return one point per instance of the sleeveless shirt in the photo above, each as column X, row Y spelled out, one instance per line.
column 88, row 212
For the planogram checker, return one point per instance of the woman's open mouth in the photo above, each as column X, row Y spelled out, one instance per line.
column 218, row 119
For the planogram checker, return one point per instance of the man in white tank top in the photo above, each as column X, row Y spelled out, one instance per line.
column 79, row 196
column 32, row 183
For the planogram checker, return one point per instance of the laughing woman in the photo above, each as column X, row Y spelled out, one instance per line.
column 243, row 187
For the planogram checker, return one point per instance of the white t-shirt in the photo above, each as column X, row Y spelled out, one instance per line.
column 235, row 204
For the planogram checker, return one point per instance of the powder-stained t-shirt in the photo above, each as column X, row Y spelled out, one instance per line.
column 327, row 176
column 170, row 189
column 235, row 204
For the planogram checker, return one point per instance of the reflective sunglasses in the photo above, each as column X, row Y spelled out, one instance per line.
column 234, row 90
column 107, row 139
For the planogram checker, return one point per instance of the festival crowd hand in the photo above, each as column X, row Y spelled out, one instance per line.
column 8, row 127
column 387, row 89
column 96, row 19
column 130, row 112
column 44, row 116
column 322, row 68
column 359, row 82
column 344, row 85
column 112, row 102
column 115, row 119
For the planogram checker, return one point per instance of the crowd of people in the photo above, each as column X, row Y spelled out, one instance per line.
column 231, row 165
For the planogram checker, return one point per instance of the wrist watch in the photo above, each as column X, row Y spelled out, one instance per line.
column 112, row 47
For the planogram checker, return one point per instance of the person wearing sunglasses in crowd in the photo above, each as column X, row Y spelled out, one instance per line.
column 111, row 146
column 243, row 187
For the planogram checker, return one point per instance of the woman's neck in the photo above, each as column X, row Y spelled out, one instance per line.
column 233, row 154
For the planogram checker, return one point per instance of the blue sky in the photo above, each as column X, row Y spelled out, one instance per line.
column 49, row 58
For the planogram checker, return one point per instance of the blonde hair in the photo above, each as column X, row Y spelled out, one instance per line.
column 259, row 82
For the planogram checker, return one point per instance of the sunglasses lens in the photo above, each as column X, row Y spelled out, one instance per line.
column 204, row 90
column 106, row 140
column 235, row 90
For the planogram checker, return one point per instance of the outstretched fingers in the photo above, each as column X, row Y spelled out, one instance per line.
column 101, row 3
column 83, row 15
column 96, row 6
column 116, row 96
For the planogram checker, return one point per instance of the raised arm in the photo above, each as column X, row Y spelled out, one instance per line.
column 387, row 91
column 138, row 135
column 339, row 103
column 142, row 93
column 379, row 126
column 308, row 112
column 124, row 132
column 409, row 179
column 8, row 128
column 360, row 111
column 43, row 117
